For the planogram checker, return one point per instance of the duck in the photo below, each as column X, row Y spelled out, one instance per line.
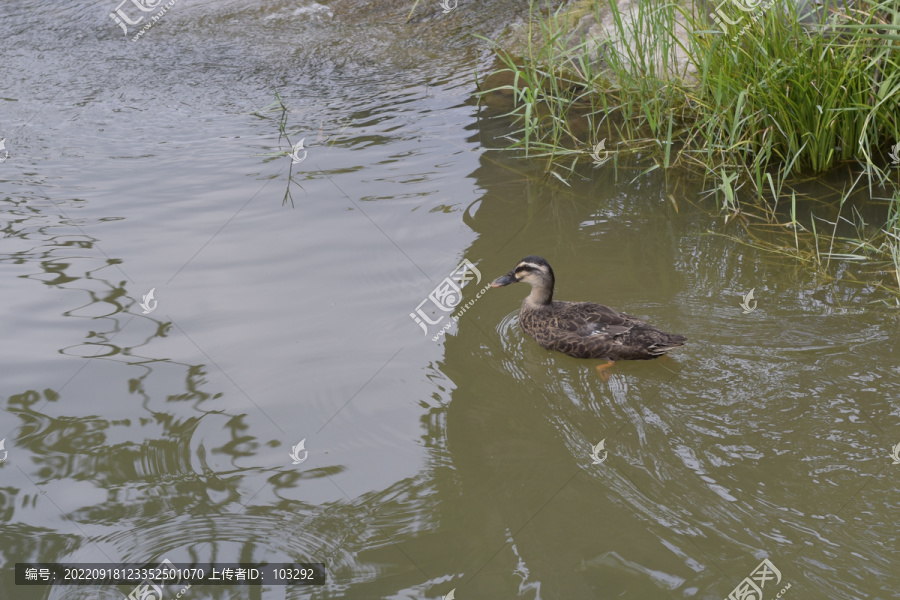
column 582, row 329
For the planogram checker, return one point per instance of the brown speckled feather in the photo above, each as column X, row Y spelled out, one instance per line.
column 588, row 330
column 582, row 329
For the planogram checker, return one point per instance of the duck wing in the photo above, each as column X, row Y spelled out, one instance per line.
column 587, row 319
column 588, row 330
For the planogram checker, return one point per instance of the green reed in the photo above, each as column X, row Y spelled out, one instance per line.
column 752, row 99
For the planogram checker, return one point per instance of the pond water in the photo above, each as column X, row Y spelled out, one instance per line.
column 281, row 313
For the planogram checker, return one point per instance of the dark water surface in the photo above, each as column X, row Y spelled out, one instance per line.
column 284, row 296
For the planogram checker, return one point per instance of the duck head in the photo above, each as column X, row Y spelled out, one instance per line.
column 536, row 271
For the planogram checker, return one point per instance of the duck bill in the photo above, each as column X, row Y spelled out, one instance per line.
column 505, row 280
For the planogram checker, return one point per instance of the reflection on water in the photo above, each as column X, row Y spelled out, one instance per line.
column 283, row 297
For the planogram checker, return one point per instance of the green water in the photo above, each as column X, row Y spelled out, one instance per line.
column 284, row 294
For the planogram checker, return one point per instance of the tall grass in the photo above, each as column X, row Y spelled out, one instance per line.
column 752, row 97
column 802, row 95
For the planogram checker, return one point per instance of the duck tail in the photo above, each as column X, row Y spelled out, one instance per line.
column 670, row 343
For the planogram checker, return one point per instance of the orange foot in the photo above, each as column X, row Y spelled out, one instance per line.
column 603, row 372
